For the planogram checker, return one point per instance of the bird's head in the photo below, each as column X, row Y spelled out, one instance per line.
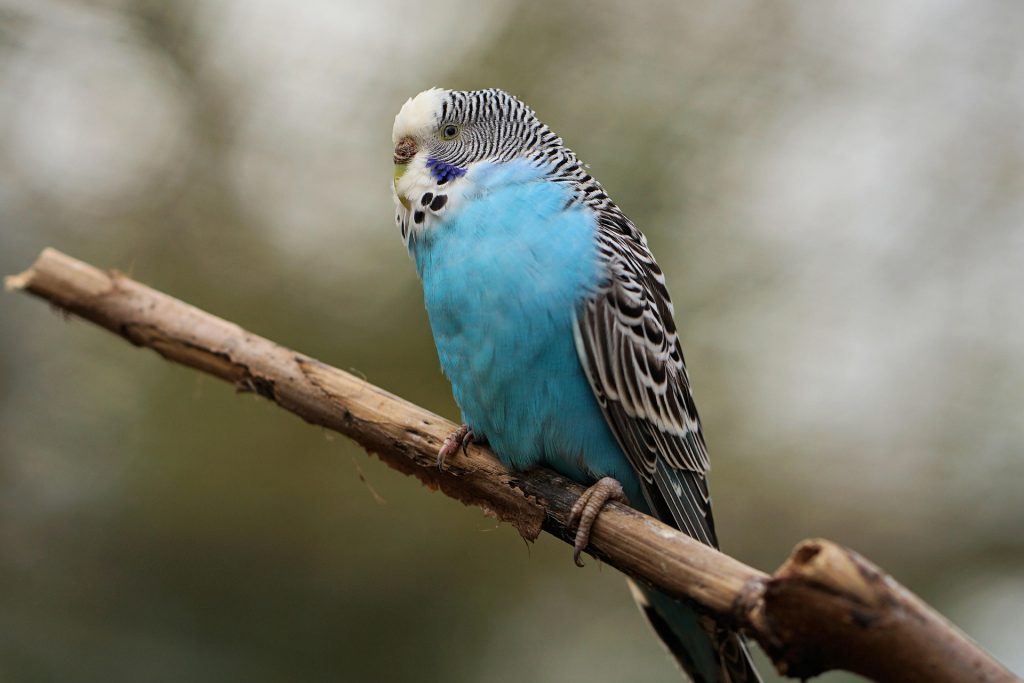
column 443, row 132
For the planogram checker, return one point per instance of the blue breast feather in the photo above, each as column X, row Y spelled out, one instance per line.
column 502, row 276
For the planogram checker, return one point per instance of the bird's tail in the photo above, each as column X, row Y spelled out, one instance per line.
column 707, row 653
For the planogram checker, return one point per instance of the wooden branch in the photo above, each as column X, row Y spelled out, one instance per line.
column 825, row 608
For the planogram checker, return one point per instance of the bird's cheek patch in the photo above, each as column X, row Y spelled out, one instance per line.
column 443, row 171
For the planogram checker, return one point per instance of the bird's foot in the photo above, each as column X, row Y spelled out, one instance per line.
column 460, row 438
column 586, row 508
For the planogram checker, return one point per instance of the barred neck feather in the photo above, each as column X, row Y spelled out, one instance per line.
column 517, row 132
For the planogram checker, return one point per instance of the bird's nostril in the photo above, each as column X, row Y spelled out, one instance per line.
column 405, row 150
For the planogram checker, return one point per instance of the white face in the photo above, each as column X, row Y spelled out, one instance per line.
column 419, row 198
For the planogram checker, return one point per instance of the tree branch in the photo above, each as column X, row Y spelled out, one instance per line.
column 825, row 608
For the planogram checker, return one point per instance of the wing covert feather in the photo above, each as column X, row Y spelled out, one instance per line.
column 627, row 342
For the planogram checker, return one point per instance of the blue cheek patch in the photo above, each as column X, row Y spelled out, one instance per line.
column 443, row 172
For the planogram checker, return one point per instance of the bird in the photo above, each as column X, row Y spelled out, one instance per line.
column 554, row 326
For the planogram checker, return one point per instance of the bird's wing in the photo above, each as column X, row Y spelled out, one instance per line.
column 627, row 343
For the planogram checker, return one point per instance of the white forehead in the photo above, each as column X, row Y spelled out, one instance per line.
column 418, row 114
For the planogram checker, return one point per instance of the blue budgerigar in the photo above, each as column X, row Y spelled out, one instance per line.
column 554, row 325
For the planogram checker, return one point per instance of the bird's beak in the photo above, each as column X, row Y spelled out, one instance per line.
column 405, row 150
column 399, row 170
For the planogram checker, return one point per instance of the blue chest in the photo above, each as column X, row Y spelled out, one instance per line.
column 502, row 277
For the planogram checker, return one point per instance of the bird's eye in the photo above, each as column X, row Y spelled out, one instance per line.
column 449, row 131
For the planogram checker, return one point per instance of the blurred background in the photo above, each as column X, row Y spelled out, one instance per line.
column 835, row 192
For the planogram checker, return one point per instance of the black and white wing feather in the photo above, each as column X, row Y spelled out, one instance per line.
column 628, row 345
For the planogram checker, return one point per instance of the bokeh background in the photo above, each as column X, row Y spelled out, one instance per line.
column 836, row 191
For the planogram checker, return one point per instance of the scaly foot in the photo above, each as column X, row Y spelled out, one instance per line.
column 460, row 438
column 586, row 508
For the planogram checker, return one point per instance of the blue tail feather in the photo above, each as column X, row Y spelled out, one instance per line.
column 707, row 654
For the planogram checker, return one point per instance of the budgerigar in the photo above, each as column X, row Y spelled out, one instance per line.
column 554, row 325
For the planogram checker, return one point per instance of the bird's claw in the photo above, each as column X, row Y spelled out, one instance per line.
column 460, row 438
column 586, row 509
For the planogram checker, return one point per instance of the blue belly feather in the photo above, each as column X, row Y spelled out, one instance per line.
column 502, row 276
column 503, row 273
